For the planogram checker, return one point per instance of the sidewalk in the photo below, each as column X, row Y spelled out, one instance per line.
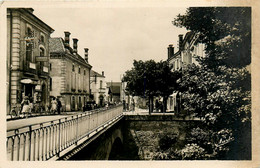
column 22, row 122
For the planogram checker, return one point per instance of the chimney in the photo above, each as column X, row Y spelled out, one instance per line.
column 170, row 51
column 75, row 45
column 86, row 54
column 180, row 41
column 102, row 73
column 67, row 39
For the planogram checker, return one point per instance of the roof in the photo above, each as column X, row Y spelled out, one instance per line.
column 56, row 45
column 114, row 84
column 29, row 12
column 115, row 89
column 93, row 73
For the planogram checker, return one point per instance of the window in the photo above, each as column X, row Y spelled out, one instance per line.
column 42, row 39
column 101, row 82
column 29, row 32
column 50, row 84
column 79, row 69
column 50, row 67
column 29, row 45
column 42, row 52
column 73, row 67
column 84, row 72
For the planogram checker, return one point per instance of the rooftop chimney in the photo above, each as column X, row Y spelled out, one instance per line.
column 170, row 51
column 180, row 41
column 75, row 45
column 67, row 39
column 102, row 73
column 86, row 54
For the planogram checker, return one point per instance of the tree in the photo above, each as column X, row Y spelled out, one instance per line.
column 219, row 90
column 149, row 79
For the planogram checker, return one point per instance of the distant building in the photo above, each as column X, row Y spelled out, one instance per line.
column 114, row 90
column 98, row 87
column 27, row 58
column 69, row 73
column 189, row 49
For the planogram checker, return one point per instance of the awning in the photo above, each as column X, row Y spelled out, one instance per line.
column 28, row 81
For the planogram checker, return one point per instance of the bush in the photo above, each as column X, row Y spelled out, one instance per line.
column 167, row 141
column 191, row 152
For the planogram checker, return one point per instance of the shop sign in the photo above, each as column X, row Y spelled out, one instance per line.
column 41, row 59
column 45, row 69
column 32, row 65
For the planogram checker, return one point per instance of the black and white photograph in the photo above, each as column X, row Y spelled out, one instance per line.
column 156, row 83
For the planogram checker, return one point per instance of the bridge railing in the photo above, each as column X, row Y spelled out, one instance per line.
column 46, row 140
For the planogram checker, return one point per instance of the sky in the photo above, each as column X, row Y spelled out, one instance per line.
column 116, row 36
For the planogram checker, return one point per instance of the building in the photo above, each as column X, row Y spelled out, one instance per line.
column 98, row 87
column 114, row 90
column 27, row 58
column 69, row 73
column 189, row 49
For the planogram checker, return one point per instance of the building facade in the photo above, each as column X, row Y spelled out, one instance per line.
column 69, row 74
column 27, row 58
column 189, row 49
column 114, row 90
column 98, row 87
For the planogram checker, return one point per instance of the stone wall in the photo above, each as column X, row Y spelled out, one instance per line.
column 146, row 132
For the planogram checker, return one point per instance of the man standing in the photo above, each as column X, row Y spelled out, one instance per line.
column 58, row 105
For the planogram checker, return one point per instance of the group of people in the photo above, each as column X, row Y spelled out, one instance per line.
column 27, row 106
column 126, row 106
column 55, row 105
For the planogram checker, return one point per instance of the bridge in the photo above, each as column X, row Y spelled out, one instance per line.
column 94, row 135
column 55, row 139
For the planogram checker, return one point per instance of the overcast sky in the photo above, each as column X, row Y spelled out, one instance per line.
column 116, row 36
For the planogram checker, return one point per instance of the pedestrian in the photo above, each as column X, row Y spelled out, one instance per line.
column 59, row 105
column 124, row 105
column 133, row 105
column 25, row 106
column 53, row 105
column 157, row 104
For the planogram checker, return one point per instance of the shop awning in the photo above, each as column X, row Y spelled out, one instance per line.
column 28, row 81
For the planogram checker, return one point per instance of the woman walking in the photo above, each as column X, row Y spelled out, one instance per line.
column 25, row 106
column 53, row 105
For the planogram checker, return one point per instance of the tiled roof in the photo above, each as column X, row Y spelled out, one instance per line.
column 93, row 73
column 56, row 45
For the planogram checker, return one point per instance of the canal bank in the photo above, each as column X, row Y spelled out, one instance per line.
column 137, row 137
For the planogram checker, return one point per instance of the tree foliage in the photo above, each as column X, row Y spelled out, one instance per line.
column 150, row 78
column 219, row 89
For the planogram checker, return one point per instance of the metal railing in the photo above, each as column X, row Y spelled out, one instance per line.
column 45, row 140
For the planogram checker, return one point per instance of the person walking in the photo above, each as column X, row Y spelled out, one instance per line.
column 25, row 106
column 58, row 105
column 53, row 105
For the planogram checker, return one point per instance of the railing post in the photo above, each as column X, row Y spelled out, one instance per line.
column 77, row 120
column 58, row 150
column 30, row 142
